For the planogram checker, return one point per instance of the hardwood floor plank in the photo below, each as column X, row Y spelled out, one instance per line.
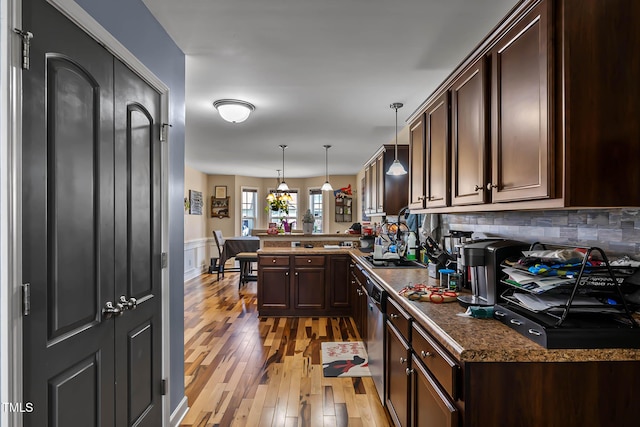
column 255, row 411
column 242, row 370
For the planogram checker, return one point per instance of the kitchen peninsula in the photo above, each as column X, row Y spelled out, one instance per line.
column 318, row 240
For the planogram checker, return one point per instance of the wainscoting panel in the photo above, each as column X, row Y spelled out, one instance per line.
column 197, row 255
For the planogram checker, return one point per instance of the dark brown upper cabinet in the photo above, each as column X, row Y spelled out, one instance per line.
column 469, row 136
column 417, row 193
column 522, row 160
column 437, row 145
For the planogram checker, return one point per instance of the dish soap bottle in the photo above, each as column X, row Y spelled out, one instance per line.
column 411, row 246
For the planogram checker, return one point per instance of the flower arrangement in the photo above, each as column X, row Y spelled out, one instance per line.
column 278, row 205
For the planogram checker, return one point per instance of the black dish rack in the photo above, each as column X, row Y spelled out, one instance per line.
column 608, row 322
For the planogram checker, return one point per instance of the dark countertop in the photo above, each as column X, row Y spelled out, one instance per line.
column 478, row 340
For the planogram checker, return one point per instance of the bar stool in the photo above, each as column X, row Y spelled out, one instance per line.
column 246, row 259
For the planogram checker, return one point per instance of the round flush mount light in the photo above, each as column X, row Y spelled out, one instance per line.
column 234, row 110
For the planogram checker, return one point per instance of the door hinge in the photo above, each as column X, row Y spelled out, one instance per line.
column 163, row 260
column 26, row 299
column 26, row 37
column 163, row 131
column 163, row 387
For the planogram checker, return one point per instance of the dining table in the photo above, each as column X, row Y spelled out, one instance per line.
column 237, row 244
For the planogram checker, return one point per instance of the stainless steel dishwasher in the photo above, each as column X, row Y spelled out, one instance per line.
column 376, row 301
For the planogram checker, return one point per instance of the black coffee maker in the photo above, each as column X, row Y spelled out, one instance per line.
column 482, row 262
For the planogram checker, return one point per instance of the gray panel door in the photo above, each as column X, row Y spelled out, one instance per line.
column 138, row 246
column 91, row 228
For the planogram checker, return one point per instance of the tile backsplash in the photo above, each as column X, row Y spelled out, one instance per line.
column 616, row 231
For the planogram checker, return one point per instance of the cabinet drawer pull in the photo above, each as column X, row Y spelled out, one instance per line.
column 402, row 360
column 409, row 371
column 351, row 265
column 426, row 354
column 515, row 322
column 309, row 260
column 535, row 332
column 393, row 316
column 273, row 261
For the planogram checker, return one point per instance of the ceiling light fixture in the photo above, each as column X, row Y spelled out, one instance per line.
column 396, row 167
column 283, row 185
column 326, row 186
column 234, row 110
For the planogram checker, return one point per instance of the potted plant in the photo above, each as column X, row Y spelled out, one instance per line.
column 307, row 222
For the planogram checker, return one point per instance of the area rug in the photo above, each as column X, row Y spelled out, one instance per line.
column 345, row 359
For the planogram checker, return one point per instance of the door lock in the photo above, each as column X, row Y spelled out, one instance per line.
column 111, row 310
column 128, row 304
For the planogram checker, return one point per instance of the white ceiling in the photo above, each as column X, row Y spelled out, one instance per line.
column 318, row 71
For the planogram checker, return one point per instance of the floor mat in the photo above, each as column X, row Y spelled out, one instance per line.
column 345, row 359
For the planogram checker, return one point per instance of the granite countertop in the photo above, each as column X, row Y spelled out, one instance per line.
column 479, row 340
column 317, row 250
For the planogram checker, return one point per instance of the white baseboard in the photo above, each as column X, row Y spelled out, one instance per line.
column 180, row 412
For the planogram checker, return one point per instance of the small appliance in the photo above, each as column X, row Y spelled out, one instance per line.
column 483, row 261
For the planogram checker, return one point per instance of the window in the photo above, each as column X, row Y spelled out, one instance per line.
column 315, row 205
column 249, row 210
column 292, row 217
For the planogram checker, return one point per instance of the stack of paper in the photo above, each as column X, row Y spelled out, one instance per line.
column 547, row 301
column 535, row 284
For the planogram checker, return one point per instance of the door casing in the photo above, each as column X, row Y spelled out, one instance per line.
column 11, row 366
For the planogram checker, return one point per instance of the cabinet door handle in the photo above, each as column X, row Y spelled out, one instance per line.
column 393, row 316
column 420, row 198
column 402, row 360
column 478, row 188
column 296, row 273
column 286, row 273
column 409, row 371
column 490, row 186
column 426, row 353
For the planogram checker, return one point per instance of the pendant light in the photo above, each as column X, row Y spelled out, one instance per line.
column 396, row 167
column 326, row 186
column 283, row 185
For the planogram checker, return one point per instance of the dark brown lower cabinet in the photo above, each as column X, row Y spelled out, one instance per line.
column 339, row 289
column 359, row 300
column 397, row 394
column 303, row 285
column 274, row 290
column 309, row 288
column 430, row 406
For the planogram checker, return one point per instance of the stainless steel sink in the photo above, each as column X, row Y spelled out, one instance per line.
column 392, row 263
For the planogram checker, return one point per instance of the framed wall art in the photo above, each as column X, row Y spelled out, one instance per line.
column 195, row 202
column 220, row 191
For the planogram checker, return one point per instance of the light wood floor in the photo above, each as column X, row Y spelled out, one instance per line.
column 242, row 370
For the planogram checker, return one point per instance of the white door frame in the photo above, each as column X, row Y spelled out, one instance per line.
column 11, row 366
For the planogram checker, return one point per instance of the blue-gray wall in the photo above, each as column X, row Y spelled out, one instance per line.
column 135, row 27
